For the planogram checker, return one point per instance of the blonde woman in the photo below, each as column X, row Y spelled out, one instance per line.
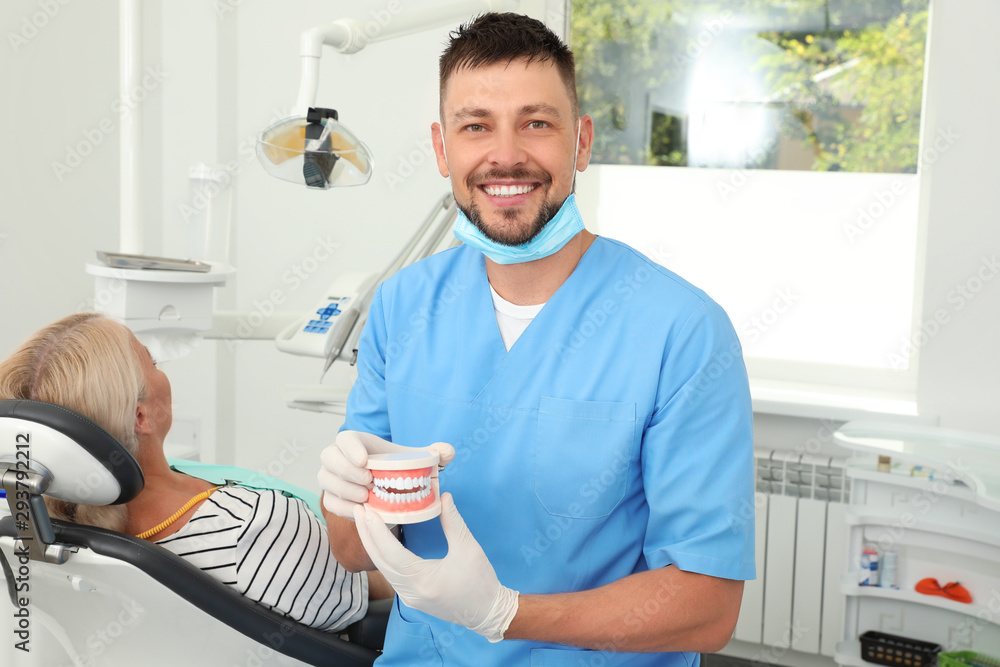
column 267, row 545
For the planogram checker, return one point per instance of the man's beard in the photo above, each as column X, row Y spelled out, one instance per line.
column 510, row 236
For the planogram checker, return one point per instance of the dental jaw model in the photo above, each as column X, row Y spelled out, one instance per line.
column 405, row 486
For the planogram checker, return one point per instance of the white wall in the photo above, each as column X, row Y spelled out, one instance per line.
column 229, row 72
column 58, row 77
column 960, row 366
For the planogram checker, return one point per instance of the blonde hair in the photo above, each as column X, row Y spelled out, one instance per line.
column 84, row 362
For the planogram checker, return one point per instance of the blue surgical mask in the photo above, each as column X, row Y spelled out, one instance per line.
column 563, row 226
column 557, row 232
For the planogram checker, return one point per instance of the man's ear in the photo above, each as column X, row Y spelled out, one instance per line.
column 586, row 143
column 438, row 140
column 143, row 426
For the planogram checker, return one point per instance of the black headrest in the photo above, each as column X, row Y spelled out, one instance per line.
column 87, row 463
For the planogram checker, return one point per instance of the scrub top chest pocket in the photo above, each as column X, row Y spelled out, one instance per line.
column 584, row 452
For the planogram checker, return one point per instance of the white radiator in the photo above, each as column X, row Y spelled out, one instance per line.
column 795, row 602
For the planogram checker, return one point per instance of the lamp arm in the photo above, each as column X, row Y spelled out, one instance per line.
column 350, row 36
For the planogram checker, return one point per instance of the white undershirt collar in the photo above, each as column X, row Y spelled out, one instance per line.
column 512, row 319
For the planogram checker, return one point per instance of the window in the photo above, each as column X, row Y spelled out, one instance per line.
column 800, row 84
column 798, row 124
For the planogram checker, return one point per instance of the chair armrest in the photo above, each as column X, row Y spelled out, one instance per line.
column 370, row 630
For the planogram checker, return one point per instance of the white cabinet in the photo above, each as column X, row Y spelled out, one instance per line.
column 946, row 528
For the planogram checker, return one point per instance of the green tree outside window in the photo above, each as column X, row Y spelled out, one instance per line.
column 843, row 80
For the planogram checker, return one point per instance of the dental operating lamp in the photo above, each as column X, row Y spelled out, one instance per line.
column 313, row 148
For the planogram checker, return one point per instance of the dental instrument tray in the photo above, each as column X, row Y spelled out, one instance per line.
column 125, row 261
column 884, row 649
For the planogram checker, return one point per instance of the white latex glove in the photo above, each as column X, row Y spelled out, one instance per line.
column 461, row 588
column 343, row 476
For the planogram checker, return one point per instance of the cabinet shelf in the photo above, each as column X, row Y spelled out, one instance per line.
column 958, row 490
column 853, row 589
column 972, row 458
column 860, row 515
column 944, row 526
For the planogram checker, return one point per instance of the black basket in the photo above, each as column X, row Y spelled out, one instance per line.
column 886, row 649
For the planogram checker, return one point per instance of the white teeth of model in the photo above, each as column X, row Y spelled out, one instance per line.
column 408, row 483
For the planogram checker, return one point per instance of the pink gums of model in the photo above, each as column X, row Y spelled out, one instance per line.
column 405, row 488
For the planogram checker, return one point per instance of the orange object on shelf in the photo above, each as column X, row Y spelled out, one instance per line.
column 952, row 590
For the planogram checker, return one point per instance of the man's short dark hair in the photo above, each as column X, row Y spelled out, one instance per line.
column 503, row 38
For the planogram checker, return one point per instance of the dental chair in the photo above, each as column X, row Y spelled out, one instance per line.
column 89, row 597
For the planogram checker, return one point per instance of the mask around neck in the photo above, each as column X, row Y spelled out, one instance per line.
column 557, row 232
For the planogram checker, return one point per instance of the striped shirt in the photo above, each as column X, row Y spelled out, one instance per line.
column 272, row 549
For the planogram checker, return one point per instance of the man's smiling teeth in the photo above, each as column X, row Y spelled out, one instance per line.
column 507, row 190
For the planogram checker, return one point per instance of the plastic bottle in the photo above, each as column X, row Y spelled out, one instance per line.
column 869, row 567
column 887, row 576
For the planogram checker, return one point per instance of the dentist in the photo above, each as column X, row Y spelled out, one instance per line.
column 597, row 405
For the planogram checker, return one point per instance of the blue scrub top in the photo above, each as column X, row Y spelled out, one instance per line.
column 615, row 436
